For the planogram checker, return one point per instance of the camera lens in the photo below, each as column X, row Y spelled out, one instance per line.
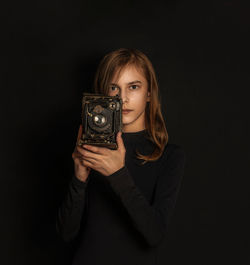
column 99, row 120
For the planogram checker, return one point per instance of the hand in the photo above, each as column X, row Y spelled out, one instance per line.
column 81, row 171
column 102, row 159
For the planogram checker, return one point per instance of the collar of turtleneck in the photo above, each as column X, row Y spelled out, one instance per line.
column 137, row 140
column 134, row 133
column 132, row 138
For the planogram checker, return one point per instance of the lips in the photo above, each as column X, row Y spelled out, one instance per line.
column 125, row 111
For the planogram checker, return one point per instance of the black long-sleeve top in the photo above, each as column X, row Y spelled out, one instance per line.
column 122, row 218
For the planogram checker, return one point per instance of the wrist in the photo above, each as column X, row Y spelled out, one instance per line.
column 80, row 182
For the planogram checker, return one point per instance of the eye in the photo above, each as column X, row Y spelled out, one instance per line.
column 134, row 87
column 112, row 88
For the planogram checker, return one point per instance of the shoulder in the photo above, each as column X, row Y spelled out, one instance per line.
column 174, row 155
column 173, row 150
column 172, row 165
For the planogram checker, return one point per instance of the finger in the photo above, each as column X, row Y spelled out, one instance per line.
column 97, row 150
column 87, row 163
column 76, row 156
column 88, row 154
column 79, row 159
column 79, row 132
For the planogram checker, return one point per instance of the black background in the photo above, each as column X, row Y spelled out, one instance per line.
column 200, row 51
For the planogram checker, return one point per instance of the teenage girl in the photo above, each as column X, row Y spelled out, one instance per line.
column 119, row 202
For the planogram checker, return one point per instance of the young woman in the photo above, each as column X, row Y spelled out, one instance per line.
column 119, row 202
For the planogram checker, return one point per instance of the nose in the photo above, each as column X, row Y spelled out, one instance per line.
column 123, row 95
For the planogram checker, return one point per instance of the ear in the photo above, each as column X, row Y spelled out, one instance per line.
column 148, row 99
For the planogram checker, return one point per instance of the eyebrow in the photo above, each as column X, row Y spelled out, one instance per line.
column 130, row 83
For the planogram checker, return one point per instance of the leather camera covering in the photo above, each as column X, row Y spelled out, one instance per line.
column 101, row 120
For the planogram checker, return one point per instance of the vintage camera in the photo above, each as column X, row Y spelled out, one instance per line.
column 101, row 120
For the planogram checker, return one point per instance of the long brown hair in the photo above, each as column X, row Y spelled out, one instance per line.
column 112, row 64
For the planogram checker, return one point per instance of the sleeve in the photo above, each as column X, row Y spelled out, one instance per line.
column 151, row 220
column 70, row 212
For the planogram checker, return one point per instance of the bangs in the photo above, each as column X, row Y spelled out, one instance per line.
column 117, row 71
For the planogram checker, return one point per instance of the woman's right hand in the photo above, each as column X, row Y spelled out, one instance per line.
column 81, row 171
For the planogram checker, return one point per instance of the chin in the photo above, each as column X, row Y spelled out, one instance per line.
column 126, row 120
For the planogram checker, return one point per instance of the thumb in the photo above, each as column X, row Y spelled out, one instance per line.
column 120, row 140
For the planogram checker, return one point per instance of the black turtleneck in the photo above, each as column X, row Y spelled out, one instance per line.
column 122, row 218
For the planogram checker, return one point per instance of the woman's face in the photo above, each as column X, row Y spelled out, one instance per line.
column 134, row 94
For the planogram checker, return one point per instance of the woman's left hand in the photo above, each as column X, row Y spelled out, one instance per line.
column 102, row 159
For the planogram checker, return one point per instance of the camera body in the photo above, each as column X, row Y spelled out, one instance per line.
column 101, row 120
